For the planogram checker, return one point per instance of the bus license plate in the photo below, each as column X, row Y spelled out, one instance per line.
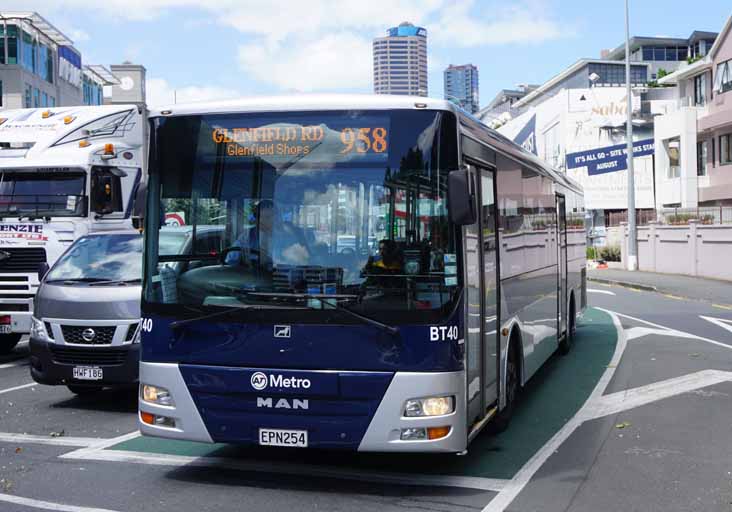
column 277, row 437
column 88, row 373
column 6, row 329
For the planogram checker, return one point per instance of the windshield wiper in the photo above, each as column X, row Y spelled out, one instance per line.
column 115, row 281
column 77, row 280
column 182, row 323
column 326, row 298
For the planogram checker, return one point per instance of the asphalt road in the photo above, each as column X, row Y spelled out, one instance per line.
column 650, row 431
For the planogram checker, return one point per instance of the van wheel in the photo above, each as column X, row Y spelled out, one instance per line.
column 566, row 344
column 84, row 390
column 513, row 387
column 8, row 342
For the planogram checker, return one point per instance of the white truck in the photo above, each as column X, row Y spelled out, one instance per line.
column 64, row 172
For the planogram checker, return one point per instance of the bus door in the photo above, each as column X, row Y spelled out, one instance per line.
column 482, row 288
column 562, row 246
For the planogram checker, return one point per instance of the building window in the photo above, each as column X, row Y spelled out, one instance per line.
column 723, row 80
column 700, row 89
column 714, row 153
column 673, row 149
column 1, row 93
column 725, row 150
column 28, row 96
column 52, row 101
column 36, row 98
column 701, row 158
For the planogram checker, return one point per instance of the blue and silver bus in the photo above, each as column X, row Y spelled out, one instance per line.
column 463, row 272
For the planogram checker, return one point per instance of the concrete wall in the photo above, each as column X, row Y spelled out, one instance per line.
column 695, row 250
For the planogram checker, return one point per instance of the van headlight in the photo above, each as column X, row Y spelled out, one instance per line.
column 38, row 330
column 430, row 406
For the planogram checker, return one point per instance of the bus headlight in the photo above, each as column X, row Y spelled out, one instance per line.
column 430, row 406
column 156, row 395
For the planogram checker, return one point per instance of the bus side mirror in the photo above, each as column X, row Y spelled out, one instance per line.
column 461, row 198
column 42, row 270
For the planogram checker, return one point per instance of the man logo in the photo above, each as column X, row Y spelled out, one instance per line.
column 281, row 331
column 259, row 381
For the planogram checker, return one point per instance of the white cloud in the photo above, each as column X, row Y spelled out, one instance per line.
column 159, row 92
column 333, row 61
column 460, row 26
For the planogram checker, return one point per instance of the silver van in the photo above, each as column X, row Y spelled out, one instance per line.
column 86, row 319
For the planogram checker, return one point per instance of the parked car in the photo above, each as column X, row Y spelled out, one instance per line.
column 86, row 320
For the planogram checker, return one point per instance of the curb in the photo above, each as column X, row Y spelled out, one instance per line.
column 625, row 284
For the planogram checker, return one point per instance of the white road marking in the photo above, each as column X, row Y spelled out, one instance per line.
column 604, row 292
column 637, row 332
column 636, row 397
column 288, row 468
column 8, row 437
column 13, row 364
column 8, row 390
column 524, row 475
column 47, row 505
column 720, row 322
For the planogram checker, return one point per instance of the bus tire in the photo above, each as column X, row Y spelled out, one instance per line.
column 566, row 344
column 513, row 388
column 83, row 390
column 8, row 342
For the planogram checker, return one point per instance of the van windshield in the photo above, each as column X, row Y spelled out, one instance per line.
column 100, row 258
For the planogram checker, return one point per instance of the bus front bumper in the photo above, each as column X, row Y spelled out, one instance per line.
column 181, row 418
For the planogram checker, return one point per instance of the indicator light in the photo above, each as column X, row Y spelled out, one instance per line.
column 437, row 432
column 109, row 149
column 84, row 143
column 69, row 119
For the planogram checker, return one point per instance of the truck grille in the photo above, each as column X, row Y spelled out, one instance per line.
column 85, row 356
column 75, row 334
column 22, row 259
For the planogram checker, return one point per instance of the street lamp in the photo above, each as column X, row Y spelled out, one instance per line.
column 632, row 263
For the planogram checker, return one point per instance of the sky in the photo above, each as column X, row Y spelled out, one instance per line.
column 229, row 48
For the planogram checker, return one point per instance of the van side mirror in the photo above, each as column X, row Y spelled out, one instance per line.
column 461, row 198
column 42, row 270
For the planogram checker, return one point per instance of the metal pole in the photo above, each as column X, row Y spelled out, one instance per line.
column 632, row 263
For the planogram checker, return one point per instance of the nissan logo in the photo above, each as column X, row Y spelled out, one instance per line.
column 88, row 335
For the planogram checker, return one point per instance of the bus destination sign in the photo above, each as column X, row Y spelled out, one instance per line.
column 286, row 141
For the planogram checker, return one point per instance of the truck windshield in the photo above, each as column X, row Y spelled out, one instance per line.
column 113, row 258
column 316, row 203
column 39, row 194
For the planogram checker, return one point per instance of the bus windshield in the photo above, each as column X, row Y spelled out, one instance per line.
column 38, row 193
column 302, row 209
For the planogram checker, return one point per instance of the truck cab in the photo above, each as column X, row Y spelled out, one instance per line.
column 64, row 173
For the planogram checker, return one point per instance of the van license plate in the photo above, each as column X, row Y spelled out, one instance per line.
column 277, row 437
column 6, row 329
column 88, row 373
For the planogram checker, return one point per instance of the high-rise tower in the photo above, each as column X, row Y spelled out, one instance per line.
column 400, row 61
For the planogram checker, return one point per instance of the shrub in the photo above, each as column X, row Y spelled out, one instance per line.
column 591, row 253
column 610, row 253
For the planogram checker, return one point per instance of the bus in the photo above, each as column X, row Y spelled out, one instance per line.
column 466, row 272
column 64, row 172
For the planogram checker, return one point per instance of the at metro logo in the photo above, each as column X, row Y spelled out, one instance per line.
column 260, row 381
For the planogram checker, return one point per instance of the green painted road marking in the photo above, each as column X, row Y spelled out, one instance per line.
column 550, row 399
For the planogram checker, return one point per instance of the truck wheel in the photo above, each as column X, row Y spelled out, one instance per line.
column 84, row 390
column 8, row 342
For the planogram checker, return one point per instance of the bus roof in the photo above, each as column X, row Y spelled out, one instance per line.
column 305, row 102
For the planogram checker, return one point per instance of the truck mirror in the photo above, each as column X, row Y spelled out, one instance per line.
column 461, row 198
column 42, row 270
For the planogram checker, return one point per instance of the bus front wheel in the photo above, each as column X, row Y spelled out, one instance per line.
column 8, row 342
column 513, row 387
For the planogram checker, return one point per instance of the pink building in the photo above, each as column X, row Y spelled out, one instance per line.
column 694, row 138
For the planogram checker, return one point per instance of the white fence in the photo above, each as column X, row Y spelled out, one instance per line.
column 694, row 249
